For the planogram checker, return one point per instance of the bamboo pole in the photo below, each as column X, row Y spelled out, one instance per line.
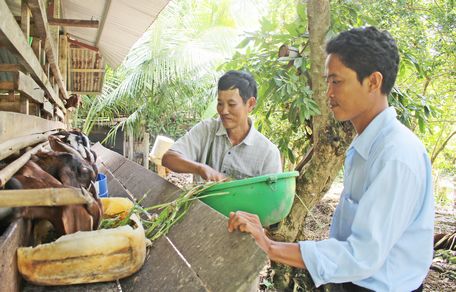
column 13, row 167
column 9, row 147
column 43, row 197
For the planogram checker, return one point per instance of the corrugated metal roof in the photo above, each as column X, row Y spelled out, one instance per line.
column 124, row 23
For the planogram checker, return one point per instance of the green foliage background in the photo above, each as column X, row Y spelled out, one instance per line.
column 167, row 82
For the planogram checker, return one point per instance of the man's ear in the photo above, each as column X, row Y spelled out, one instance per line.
column 251, row 102
column 375, row 81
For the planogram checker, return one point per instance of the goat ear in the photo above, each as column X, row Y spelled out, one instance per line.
column 55, row 142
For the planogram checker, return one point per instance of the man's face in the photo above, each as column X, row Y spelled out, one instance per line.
column 232, row 109
column 349, row 100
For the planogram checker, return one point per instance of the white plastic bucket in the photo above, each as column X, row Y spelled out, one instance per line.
column 161, row 145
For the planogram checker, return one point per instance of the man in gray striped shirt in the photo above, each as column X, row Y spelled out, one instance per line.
column 228, row 146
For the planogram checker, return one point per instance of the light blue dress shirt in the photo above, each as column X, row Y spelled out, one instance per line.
column 381, row 236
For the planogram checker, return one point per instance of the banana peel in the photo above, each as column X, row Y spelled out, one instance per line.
column 85, row 257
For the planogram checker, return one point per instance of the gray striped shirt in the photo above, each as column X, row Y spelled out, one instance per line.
column 208, row 142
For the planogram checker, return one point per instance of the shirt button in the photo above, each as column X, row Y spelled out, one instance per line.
column 229, row 152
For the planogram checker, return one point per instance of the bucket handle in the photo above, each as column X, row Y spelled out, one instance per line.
column 271, row 181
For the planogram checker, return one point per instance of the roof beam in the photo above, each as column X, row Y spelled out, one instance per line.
column 103, row 20
column 74, row 22
column 41, row 22
column 81, row 44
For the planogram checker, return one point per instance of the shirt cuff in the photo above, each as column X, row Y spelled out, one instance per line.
column 318, row 267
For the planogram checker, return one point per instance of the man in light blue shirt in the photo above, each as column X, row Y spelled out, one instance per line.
column 381, row 236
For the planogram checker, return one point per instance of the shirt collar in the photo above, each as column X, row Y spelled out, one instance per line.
column 363, row 143
column 248, row 140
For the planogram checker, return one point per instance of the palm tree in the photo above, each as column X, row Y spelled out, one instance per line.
column 167, row 80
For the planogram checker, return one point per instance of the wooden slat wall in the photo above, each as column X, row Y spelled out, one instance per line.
column 86, row 71
column 40, row 18
column 13, row 38
column 14, row 125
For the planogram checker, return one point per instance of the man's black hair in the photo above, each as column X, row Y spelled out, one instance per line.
column 366, row 50
column 241, row 80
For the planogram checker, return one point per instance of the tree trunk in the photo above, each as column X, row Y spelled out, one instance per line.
column 330, row 141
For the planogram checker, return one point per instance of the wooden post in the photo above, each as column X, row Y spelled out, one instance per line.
column 25, row 27
column 146, row 145
column 36, row 47
column 63, row 58
column 25, row 19
column 131, row 146
column 24, row 104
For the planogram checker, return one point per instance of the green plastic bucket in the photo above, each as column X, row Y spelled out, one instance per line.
column 269, row 196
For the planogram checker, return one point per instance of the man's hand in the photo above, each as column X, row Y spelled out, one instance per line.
column 281, row 252
column 209, row 174
column 249, row 223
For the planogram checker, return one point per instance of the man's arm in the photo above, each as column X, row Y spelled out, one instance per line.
column 281, row 252
column 176, row 162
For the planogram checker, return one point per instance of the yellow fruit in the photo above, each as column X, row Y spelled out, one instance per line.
column 116, row 207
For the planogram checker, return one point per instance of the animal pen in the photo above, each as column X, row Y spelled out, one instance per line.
column 50, row 53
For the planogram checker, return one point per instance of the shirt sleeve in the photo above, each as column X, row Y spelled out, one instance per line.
column 272, row 162
column 383, row 213
column 192, row 144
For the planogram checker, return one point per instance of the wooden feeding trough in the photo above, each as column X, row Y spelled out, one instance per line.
column 191, row 257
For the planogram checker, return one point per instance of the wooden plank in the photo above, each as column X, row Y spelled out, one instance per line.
column 115, row 187
column 110, row 159
column 35, row 109
column 10, row 106
column 74, row 22
column 7, row 85
column 201, row 241
column 38, row 10
column 87, row 92
column 14, row 125
column 24, row 84
column 28, row 86
column 12, row 145
column 140, row 181
column 36, row 47
column 11, row 35
column 48, row 108
column 14, row 236
column 11, row 67
column 135, row 178
column 164, row 270
column 87, row 70
column 25, row 19
column 82, row 45
column 43, row 197
column 25, row 104
column 63, row 54
column 212, row 251
column 96, row 287
column 59, row 113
